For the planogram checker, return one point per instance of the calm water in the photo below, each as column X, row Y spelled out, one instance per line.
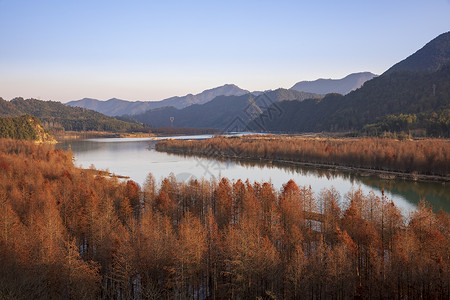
column 136, row 158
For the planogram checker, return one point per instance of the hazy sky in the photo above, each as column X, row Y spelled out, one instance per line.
column 149, row 50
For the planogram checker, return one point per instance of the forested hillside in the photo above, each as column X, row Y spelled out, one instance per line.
column 25, row 127
column 56, row 115
column 66, row 233
column 422, row 95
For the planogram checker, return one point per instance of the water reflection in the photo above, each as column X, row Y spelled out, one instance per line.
column 136, row 158
column 436, row 193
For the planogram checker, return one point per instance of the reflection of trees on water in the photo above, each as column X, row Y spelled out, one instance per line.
column 435, row 193
column 79, row 146
column 289, row 168
column 82, row 146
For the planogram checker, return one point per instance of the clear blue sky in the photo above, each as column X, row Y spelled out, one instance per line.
column 149, row 50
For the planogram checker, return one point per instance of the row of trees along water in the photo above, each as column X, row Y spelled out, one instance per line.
column 430, row 156
column 69, row 233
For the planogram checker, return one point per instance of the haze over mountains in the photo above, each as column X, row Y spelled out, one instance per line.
column 342, row 86
column 222, row 111
column 117, row 107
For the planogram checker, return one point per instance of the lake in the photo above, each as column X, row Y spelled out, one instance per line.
column 136, row 157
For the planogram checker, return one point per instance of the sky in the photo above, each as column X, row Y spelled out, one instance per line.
column 66, row 50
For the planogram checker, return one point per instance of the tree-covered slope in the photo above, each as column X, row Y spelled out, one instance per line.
column 25, row 127
column 57, row 115
column 390, row 94
column 399, row 92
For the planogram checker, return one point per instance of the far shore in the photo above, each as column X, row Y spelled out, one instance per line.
column 72, row 135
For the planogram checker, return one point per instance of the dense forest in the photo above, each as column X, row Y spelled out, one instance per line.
column 25, row 127
column 68, row 234
column 423, row 124
column 430, row 157
column 20, row 128
column 57, row 116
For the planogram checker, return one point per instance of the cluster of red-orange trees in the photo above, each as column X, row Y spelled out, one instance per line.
column 67, row 233
column 430, row 156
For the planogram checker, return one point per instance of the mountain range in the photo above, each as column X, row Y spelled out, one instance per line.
column 342, row 86
column 230, row 113
column 117, row 107
column 412, row 94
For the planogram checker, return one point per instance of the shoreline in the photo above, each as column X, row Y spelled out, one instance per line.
column 77, row 135
column 382, row 174
column 103, row 173
column 74, row 135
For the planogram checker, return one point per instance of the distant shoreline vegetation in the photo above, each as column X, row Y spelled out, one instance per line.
column 421, row 158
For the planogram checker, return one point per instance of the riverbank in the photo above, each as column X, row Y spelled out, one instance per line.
column 424, row 160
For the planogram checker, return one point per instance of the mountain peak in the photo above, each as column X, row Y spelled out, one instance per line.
column 430, row 58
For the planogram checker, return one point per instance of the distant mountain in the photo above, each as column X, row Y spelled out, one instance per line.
column 342, row 86
column 429, row 58
column 397, row 100
column 392, row 94
column 229, row 113
column 117, row 107
column 59, row 116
